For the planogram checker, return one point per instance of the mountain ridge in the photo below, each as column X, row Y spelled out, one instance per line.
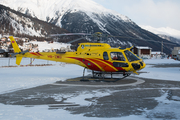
column 170, row 38
column 45, row 9
column 91, row 19
column 163, row 31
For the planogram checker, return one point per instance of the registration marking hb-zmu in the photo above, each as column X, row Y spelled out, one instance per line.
column 54, row 56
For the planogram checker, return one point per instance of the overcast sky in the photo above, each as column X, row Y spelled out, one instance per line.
column 156, row 13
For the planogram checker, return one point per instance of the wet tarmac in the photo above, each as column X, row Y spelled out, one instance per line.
column 165, row 65
column 130, row 96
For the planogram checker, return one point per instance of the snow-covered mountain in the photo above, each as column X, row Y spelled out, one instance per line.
column 88, row 17
column 53, row 11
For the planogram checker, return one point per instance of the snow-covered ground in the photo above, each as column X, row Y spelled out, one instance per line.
column 168, row 73
column 15, row 78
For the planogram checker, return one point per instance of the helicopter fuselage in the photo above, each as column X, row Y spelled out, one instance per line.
column 96, row 57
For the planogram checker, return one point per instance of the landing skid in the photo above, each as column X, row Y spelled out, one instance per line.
column 100, row 76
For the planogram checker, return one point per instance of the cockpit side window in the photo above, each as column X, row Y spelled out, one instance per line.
column 130, row 56
column 117, row 56
column 105, row 56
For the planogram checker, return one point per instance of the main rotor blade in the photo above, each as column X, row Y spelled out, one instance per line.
column 76, row 40
column 66, row 34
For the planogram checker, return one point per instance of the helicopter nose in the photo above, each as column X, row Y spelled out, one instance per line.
column 143, row 64
column 138, row 66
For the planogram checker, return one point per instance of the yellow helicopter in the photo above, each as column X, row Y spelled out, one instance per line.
column 101, row 58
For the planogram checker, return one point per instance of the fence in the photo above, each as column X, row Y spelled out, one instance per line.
column 7, row 62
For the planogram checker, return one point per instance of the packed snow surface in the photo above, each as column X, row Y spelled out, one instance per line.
column 15, row 78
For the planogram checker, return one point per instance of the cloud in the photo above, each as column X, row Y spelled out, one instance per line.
column 162, row 13
column 157, row 13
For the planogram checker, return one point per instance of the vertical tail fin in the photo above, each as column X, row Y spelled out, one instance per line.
column 14, row 44
column 16, row 50
column 18, row 60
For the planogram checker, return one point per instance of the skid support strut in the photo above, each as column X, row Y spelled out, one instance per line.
column 100, row 76
column 84, row 72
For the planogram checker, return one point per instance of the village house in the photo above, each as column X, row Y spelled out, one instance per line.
column 2, row 52
column 1, row 43
column 142, row 51
column 176, row 53
column 26, row 46
column 157, row 54
column 3, row 39
column 8, row 43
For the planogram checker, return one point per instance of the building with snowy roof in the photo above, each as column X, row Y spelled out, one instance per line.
column 142, row 51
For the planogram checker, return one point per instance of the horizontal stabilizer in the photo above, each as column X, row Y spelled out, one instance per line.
column 13, row 54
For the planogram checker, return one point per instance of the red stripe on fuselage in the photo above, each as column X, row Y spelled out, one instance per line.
column 88, row 63
column 34, row 54
column 119, row 68
column 39, row 53
column 100, row 62
column 104, row 66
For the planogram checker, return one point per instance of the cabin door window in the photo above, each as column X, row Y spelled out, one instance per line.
column 105, row 56
column 117, row 56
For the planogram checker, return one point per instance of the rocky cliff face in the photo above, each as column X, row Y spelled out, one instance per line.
column 14, row 22
column 21, row 25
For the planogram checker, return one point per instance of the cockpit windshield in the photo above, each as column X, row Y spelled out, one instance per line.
column 130, row 56
column 117, row 56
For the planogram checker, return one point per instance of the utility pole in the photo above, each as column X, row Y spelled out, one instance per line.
column 162, row 47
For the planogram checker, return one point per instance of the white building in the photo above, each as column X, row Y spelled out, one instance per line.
column 176, row 53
